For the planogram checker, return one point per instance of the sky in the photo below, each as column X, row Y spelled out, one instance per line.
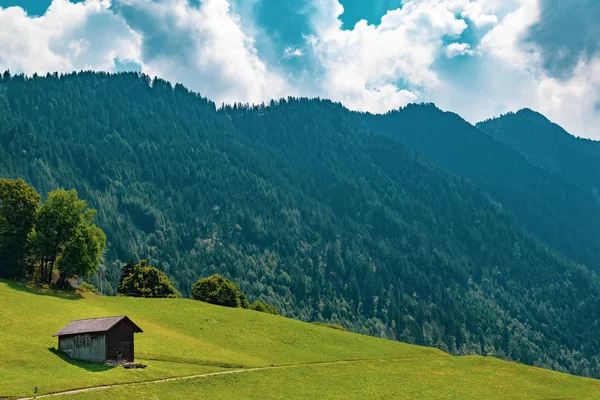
column 478, row 58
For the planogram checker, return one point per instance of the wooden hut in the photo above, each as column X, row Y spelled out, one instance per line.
column 99, row 340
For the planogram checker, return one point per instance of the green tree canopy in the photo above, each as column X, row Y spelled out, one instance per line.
column 127, row 270
column 220, row 291
column 65, row 237
column 18, row 205
column 146, row 281
column 82, row 253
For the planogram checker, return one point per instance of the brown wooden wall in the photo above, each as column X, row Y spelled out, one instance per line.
column 119, row 343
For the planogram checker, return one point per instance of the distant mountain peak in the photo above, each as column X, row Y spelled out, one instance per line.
column 528, row 122
column 533, row 115
column 548, row 146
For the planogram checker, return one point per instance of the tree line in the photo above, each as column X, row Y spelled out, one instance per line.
column 59, row 236
column 142, row 280
column 37, row 239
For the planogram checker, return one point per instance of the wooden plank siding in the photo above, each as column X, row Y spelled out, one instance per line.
column 87, row 347
column 119, row 343
column 99, row 340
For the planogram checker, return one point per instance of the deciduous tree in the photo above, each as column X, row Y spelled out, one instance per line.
column 18, row 205
column 146, row 281
column 220, row 291
column 65, row 236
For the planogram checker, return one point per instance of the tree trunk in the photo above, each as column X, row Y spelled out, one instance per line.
column 50, row 269
column 42, row 269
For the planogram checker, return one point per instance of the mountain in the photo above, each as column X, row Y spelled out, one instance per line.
column 557, row 210
column 212, row 352
column 304, row 208
column 549, row 147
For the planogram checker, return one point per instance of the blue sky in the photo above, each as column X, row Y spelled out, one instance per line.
column 33, row 7
column 479, row 58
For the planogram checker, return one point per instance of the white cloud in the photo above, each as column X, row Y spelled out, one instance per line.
column 364, row 66
column 572, row 103
column 505, row 41
column 413, row 54
column 67, row 37
column 569, row 102
column 202, row 47
column 478, row 13
column 486, row 88
column 292, row 52
column 459, row 49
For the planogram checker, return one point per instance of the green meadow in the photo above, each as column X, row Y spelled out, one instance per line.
column 460, row 378
column 185, row 337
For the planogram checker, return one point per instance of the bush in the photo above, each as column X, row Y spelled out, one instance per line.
column 145, row 281
column 261, row 306
column 330, row 325
column 88, row 287
column 220, row 291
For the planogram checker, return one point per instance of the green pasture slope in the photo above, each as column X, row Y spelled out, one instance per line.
column 184, row 338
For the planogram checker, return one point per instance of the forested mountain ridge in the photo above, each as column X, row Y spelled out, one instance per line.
column 557, row 210
column 549, row 146
column 304, row 208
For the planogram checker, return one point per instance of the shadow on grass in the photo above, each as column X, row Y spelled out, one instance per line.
column 23, row 287
column 88, row 366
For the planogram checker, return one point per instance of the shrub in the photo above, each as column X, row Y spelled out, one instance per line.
column 220, row 291
column 145, row 281
column 330, row 325
column 261, row 306
column 88, row 287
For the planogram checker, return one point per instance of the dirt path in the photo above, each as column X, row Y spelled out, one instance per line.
column 207, row 375
column 105, row 387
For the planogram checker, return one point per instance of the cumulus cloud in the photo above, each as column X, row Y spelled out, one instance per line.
column 505, row 41
column 67, row 37
column 203, row 46
column 567, row 33
column 476, row 57
column 291, row 52
column 567, row 98
column 459, row 49
column 364, row 65
column 478, row 13
column 573, row 102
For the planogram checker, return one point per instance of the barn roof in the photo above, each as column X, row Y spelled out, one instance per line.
column 94, row 325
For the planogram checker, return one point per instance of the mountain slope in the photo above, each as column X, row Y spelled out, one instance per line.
column 187, row 338
column 304, row 208
column 549, row 146
column 556, row 210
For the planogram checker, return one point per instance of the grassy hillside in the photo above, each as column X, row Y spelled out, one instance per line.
column 181, row 337
column 461, row 378
column 184, row 337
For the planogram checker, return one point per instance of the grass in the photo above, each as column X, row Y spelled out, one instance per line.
column 185, row 337
column 181, row 337
column 460, row 378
